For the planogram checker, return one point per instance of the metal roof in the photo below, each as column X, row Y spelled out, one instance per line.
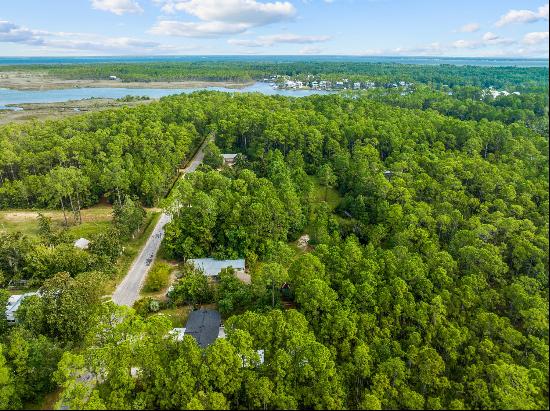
column 14, row 301
column 204, row 325
column 212, row 267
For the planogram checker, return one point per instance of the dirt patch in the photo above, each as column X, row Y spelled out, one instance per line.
column 303, row 243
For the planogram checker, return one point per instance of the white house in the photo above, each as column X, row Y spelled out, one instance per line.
column 113, row 78
column 356, row 86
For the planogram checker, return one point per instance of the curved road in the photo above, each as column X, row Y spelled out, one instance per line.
column 128, row 290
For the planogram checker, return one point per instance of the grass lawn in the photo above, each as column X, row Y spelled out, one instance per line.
column 333, row 197
column 94, row 219
column 178, row 315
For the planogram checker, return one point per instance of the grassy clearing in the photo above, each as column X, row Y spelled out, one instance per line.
column 94, row 219
column 333, row 197
column 178, row 315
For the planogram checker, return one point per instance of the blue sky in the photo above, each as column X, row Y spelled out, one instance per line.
column 480, row 28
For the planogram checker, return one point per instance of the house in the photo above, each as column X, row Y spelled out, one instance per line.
column 14, row 302
column 82, row 243
column 299, row 84
column 229, row 159
column 212, row 267
column 339, row 84
column 323, row 84
column 314, row 84
column 356, row 86
column 113, row 78
column 203, row 325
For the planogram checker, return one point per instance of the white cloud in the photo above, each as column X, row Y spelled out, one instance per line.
column 233, row 11
column 487, row 40
column 117, row 7
column 490, row 36
column 220, row 17
column 201, row 29
column 536, row 37
column 13, row 33
column 267, row 41
column 469, row 28
column 523, row 16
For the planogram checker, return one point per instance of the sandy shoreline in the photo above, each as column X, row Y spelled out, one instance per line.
column 53, row 111
column 18, row 80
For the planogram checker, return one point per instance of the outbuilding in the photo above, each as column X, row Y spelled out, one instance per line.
column 82, row 243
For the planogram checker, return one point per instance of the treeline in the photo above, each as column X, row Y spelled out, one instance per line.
column 74, row 162
column 452, row 75
column 470, row 103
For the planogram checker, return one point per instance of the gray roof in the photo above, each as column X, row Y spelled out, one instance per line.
column 212, row 267
column 204, row 325
column 229, row 156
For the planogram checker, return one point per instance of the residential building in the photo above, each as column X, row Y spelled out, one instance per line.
column 203, row 325
column 212, row 267
column 14, row 302
column 229, row 159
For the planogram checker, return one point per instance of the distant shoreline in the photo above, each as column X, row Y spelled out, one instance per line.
column 429, row 60
column 22, row 80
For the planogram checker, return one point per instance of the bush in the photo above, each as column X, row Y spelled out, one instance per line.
column 158, row 277
column 192, row 288
column 146, row 306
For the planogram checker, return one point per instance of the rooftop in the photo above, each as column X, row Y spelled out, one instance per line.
column 204, row 326
column 212, row 267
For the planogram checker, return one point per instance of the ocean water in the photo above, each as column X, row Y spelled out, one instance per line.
column 461, row 61
column 8, row 96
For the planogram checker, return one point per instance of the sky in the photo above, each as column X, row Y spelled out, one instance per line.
column 454, row 28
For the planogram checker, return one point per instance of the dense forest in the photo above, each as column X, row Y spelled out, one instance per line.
column 425, row 285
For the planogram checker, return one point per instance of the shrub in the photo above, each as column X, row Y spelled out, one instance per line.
column 158, row 277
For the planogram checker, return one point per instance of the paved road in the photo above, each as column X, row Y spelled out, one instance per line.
column 128, row 290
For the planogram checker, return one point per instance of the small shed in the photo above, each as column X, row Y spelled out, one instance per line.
column 82, row 243
column 229, row 159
